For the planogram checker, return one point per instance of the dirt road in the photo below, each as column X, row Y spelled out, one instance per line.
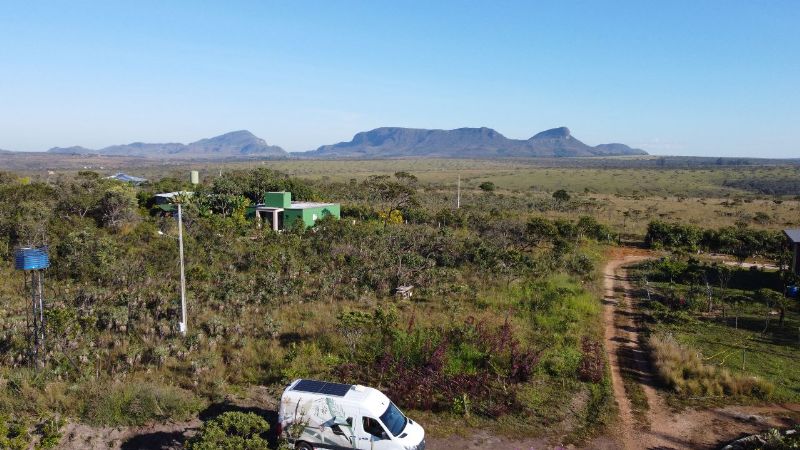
column 655, row 425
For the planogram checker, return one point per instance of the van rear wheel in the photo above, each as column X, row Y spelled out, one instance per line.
column 303, row 446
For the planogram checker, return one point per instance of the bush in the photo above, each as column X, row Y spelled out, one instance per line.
column 50, row 432
column 137, row 403
column 592, row 366
column 13, row 435
column 487, row 186
column 231, row 431
column 466, row 368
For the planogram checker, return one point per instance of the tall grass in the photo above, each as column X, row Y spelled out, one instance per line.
column 137, row 403
column 681, row 369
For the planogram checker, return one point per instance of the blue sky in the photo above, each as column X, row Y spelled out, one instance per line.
column 692, row 78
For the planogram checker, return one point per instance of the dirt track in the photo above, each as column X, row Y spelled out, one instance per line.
column 661, row 427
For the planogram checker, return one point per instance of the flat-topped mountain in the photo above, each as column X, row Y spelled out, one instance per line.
column 229, row 145
column 390, row 142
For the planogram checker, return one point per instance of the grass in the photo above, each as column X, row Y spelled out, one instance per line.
column 625, row 198
column 552, row 315
column 637, row 397
column 722, row 346
column 682, row 370
column 708, row 357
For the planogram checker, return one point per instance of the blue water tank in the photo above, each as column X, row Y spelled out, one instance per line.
column 793, row 291
column 31, row 258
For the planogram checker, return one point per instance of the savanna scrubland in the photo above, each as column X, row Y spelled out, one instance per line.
column 503, row 331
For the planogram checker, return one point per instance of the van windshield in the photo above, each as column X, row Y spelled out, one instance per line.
column 394, row 420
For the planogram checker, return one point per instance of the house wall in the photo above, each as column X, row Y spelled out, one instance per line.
column 278, row 199
column 796, row 265
column 307, row 215
column 290, row 215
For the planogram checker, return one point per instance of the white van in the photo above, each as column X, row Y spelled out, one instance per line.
column 316, row 414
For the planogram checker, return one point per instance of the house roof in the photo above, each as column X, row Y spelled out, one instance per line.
column 173, row 194
column 793, row 234
column 125, row 178
column 304, row 205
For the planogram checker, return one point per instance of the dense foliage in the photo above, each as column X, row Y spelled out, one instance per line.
column 740, row 241
column 231, row 431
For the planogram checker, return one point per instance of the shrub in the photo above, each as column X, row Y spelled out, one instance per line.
column 592, row 366
column 50, row 432
column 13, row 435
column 231, row 431
column 561, row 195
column 464, row 368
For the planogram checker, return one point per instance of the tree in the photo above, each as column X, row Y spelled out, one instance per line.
column 83, row 196
column 771, row 298
column 232, row 430
column 540, row 230
column 724, row 275
column 390, row 194
column 561, row 196
column 117, row 206
column 487, row 186
column 406, row 178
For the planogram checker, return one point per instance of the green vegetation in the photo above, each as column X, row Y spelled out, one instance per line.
column 231, row 431
column 504, row 310
column 721, row 333
column 739, row 241
column 136, row 403
column 775, row 440
column 680, row 369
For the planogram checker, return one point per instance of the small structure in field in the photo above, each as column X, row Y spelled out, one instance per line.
column 793, row 237
column 165, row 201
column 281, row 212
column 404, row 291
column 125, row 178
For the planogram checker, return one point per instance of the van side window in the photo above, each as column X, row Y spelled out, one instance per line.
column 338, row 430
column 373, row 427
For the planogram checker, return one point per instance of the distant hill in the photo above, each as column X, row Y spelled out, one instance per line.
column 390, row 142
column 235, row 144
column 74, row 150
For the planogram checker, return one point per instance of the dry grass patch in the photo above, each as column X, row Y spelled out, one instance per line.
column 681, row 369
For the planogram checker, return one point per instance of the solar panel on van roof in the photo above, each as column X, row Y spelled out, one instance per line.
column 322, row 387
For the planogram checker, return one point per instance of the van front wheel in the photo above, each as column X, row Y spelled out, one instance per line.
column 303, row 446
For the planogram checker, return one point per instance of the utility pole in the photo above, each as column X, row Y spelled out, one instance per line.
column 182, row 324
column 458, row 194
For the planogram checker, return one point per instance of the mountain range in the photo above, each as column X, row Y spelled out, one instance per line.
column 236, row 144
column 465, row 142
column 386, row 142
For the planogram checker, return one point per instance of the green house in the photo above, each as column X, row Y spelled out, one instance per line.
column 281, row 212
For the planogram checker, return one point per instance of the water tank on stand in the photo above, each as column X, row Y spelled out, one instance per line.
column 31, row 258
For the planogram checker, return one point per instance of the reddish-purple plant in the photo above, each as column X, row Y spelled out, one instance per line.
column 592, row 366
column 428, row 381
